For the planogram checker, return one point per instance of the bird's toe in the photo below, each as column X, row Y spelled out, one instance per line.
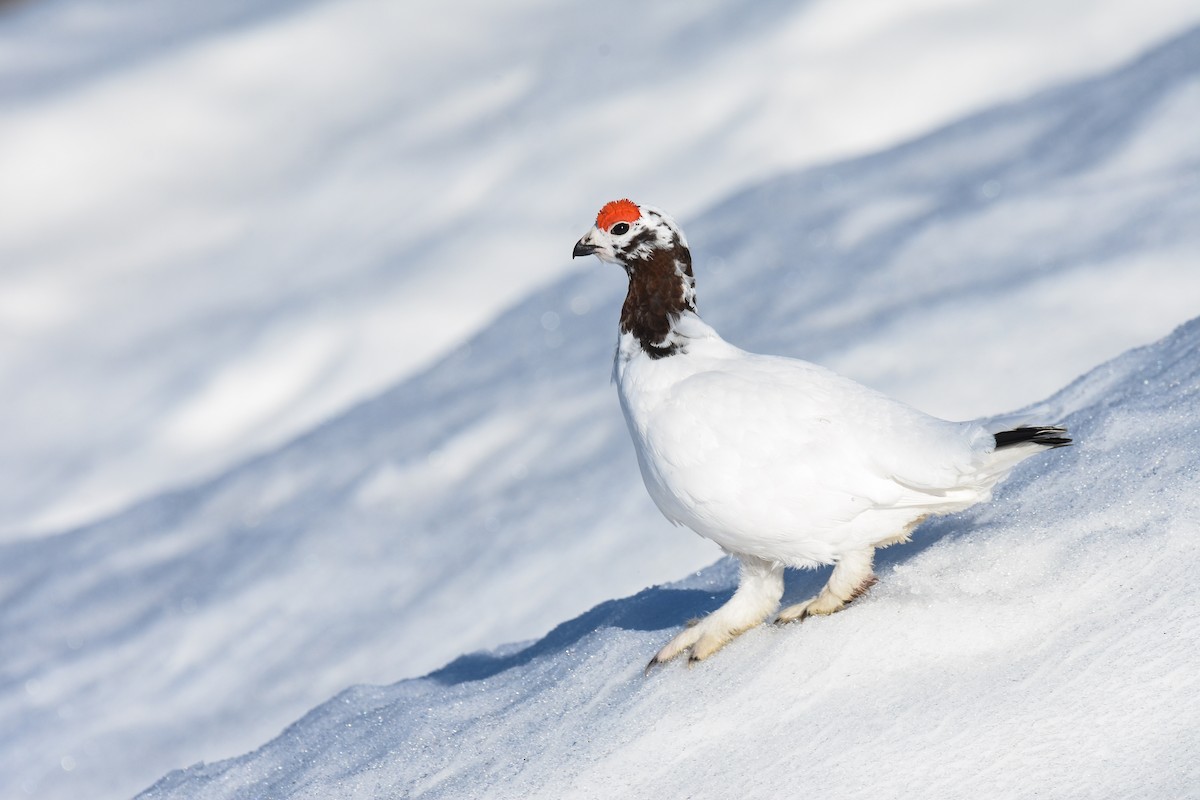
column 682, row 642
column 796, row 613
column 709, row 644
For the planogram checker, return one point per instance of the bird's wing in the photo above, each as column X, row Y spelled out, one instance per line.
column 752, row 422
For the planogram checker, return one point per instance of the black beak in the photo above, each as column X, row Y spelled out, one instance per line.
column 582, row 249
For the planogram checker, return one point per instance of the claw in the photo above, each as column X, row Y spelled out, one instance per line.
column 654, row 662
column 780, row 621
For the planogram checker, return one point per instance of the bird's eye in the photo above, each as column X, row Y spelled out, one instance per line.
column 620, row 229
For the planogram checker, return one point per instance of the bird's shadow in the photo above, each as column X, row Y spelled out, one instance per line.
column 651, row 609
column 666, row 607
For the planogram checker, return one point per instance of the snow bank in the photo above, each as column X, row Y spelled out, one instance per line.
column 1042, row 645
column 495, row 494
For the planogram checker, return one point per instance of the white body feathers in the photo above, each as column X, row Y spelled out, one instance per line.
column 788, row 461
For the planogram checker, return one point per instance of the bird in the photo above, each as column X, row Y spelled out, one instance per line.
column 780, row 462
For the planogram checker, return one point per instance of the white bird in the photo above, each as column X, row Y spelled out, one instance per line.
column 781, row 462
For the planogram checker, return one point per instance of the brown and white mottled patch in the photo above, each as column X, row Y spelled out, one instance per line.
column 661, row 288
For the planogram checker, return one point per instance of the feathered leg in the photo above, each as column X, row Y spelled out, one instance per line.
column 851, row 577
column 760, row 585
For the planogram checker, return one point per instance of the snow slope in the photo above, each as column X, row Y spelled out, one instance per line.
column 224, row 222
column 487, row 498
column 1043, row 645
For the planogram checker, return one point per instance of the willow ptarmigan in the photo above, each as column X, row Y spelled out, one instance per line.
column 780, row 462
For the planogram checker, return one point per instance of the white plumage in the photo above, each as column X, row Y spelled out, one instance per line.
column 779, row 461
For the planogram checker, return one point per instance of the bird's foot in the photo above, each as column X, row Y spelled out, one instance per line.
column 699, row 640
column 827, row 602
column 760, row 583
column 802, row 611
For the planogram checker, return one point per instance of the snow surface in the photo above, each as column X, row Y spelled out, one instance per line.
column 1043, row 645
column 490, row 496
column 225, row 221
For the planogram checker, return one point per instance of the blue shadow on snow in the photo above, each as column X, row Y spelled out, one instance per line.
column 653, row 609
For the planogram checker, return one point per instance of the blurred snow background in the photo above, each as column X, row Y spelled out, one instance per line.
column 226, row 226
column 223, row 222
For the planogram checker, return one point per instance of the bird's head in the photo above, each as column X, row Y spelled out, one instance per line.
column 626, row 233
column 651, row 248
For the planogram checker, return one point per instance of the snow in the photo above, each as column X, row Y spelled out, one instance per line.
column 226, row 222
column 492, row 493
column 1040, row 645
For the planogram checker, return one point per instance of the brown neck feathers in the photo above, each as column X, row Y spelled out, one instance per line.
column 661, row 287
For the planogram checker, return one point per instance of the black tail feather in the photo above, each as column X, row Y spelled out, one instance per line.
column 1047, row 436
